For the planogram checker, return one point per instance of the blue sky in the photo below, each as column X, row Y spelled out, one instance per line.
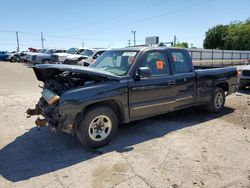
column 108, row 23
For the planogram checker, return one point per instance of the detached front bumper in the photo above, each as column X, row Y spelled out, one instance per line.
column 51, row 116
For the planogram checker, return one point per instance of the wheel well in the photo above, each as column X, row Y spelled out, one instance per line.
column 115, row 106
column 223, row 86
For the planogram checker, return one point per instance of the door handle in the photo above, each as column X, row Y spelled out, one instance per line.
column 171, row 82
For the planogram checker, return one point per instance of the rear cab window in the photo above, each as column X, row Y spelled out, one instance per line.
column 180, row 62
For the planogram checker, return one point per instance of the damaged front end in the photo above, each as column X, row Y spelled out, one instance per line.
column 58, row 80
column 47, row 109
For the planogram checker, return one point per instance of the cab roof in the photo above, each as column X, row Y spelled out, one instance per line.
column 140, row 48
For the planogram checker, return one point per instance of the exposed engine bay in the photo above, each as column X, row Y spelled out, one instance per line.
column 68, row 80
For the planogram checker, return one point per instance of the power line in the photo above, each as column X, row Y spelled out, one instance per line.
column 153, row 17
column 196, row 37
column 117, row 27
column 62, row 37
column 120, row 15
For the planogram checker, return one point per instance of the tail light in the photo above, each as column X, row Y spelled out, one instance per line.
column 238, row 74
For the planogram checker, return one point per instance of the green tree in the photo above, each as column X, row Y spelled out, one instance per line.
column 238, row 36
column 235, row 36
column 215, row 37
column 181, row 45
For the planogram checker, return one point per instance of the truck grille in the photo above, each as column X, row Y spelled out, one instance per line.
column 70, row 62
column 246, row 72
column 33, row 58
column 54, row 58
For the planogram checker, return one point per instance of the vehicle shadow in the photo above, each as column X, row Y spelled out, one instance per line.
column 39, row 152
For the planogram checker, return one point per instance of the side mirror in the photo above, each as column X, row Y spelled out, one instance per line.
column 144, row 72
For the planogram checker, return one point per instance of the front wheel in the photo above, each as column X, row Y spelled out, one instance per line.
column 217, row 101
column 97, row 127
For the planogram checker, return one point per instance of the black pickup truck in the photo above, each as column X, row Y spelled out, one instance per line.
column 124, row 85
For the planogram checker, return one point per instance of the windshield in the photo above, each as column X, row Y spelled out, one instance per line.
column 116, row 62
column 51, row 51
column 72, row 50
column 87, row 53
column 42, row 51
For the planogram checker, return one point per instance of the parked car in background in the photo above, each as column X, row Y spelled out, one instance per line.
column 244, row 76
column 4, row 55
column 32, row 55
column 76, row 58
column 11, row 56
column 45, row 58
column 90, row 60
column 21, row 56
column 58, row 58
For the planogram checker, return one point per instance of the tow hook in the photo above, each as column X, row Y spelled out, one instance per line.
column 40, row 122
column 32, row 112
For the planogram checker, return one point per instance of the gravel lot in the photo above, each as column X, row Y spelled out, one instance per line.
column 188, row 148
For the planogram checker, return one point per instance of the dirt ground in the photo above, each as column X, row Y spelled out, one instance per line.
column 188, row 148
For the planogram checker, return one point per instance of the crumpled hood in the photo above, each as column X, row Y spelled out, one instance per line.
column 46, row 71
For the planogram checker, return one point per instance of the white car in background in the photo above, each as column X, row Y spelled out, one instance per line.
column 58, row 58
column 31, row 56
column 244, row 76
column 91, row 59
column 85, row 58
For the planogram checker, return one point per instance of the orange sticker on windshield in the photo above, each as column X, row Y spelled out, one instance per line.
column 159, row 65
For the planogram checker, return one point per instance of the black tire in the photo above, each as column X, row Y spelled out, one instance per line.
column 12, row 59
column 214, row 105
column 88, row 136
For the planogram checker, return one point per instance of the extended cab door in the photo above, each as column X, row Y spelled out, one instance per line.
column 185, row 77
column 155, row 94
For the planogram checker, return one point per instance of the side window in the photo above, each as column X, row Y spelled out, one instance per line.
column 157, row 63
column 180, row 62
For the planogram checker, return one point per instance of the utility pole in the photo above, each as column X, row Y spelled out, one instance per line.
column 17, row 41
column 174, row 40
column 129, row 42
column 133, row 31
column 42, row 39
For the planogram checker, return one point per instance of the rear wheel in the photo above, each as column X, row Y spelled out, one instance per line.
column 97, row 127
column 217, row 101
